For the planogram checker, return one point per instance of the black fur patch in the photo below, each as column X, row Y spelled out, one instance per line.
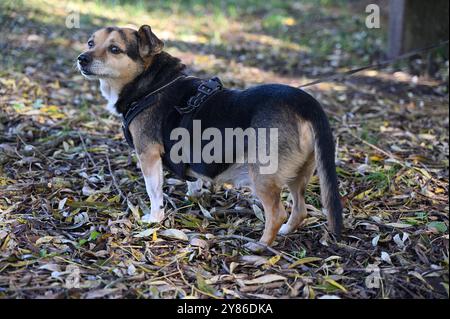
column 122, row 35
column 133, row 47
column 110, row 29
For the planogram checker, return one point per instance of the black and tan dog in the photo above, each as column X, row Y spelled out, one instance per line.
column 133, row 69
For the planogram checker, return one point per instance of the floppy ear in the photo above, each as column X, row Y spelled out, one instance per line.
column 149, row 44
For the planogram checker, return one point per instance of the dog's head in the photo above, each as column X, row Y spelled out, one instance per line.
column 119, row 54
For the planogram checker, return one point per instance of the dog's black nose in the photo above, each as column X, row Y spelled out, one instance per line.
column 84, row 59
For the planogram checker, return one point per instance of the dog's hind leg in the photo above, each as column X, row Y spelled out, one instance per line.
column 297, row 187
column 268, row 191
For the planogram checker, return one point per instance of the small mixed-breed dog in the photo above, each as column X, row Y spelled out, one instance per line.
column 136, row 76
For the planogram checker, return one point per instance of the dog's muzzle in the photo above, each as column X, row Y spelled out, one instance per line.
column 84, row 59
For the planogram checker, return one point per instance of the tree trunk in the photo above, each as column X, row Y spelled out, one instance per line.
column 415, row 24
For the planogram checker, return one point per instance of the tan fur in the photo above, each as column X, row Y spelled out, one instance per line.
column 268, row 191
column 113, row 70
column 297, row 187
column 295, row 170
column 117, row 69
column 152, row 169
column 149, row 157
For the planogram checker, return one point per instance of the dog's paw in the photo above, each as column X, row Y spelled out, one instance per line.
column 255, row 247
column 153, row 218
column 195, row 189
column 285, row 229
column 195, row 194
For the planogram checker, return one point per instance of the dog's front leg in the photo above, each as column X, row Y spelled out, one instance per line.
column 151, row 165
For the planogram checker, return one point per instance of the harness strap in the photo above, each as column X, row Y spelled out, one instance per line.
column 136, row 107
column 204, row 91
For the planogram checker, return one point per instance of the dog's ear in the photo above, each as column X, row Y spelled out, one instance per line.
column 149, row 44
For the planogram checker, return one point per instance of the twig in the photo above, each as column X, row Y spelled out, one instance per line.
column 398, row 159
column 193, row 286
column 86, row 151
column 388, row 154
column 32, row 288
column 34, row 149
column 272, row 250
column 114, row 179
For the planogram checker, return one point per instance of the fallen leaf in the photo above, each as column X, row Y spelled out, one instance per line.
column 174, row 233
column 303, row 261
column 264, row 279
column 385, row 257
column 336, row 284
column 146, row 233
column 258, row 212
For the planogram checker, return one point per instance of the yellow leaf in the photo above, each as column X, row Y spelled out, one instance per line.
column 159, row 263
column 423, row 172
column 272, row 261
column 114, row 199
column 227, row 186
column 288, row 21
column 154, row 236
column 5, row 243
column 306, row 260
column 5, row 181
column 363, row 194
column 376, row 158
column 336, row 284
column 312, row 294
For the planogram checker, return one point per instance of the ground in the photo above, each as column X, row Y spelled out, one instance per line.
column 72, row 196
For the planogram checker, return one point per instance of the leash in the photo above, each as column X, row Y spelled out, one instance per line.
column 377, row 65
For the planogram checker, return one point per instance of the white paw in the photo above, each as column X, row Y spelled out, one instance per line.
column 195, row 189
column 153, row 217
column 195, row 194
column 285, row 229
column 254, row 247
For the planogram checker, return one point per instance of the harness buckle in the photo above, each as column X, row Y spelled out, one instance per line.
column 207, row 87
column 186, row 109
column 204, row 91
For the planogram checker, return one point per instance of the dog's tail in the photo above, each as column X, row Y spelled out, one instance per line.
column 326, row 167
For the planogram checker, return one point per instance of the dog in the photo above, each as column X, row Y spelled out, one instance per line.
column 135, row 71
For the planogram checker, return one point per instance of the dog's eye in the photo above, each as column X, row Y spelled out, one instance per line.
column 114, row 49
column 90, row 44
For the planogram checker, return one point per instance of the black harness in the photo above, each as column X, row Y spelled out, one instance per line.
column 205, row 90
